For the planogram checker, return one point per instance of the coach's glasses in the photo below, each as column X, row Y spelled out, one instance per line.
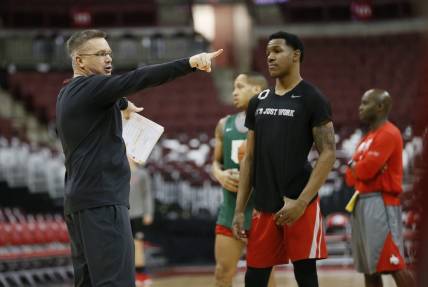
column 99, row 54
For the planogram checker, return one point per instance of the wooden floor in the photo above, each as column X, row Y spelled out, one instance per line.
column 330, row 278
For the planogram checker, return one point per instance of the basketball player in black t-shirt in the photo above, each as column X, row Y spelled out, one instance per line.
column 284, row 122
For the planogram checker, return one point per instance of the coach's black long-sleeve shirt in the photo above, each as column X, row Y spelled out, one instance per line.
column 90, row 129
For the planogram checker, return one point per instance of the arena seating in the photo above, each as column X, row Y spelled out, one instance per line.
column 38, row 91
column 342, row 67
column 314, row 11
column 39, row 169
column 101, row 13
column 338, row 234
column 6, row 127
column 192, row 99
column 34, row 248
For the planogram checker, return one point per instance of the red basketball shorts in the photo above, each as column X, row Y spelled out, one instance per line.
column 223, row 230
column 270, row 244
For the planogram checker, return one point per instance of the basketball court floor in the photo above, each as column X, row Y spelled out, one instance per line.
column 284, row 278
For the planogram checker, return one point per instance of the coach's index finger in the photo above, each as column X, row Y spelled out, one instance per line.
column 215, row 54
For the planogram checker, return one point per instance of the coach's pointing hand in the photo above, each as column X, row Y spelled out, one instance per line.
column 202, row 61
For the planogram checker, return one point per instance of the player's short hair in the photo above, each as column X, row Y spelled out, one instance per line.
column 256, row 79
column 80, row 38
column 291, row 40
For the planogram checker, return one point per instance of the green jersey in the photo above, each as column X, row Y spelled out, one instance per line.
column 234, row 134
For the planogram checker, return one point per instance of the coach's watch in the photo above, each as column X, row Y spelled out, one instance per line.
column 123, row 104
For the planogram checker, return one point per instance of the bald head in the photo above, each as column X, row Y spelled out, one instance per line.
column 381, row 97
column 375, row 105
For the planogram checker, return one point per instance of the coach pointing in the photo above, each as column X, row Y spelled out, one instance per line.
column 97, row 170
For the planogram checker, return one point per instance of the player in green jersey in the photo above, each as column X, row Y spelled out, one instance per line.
column 230, row 134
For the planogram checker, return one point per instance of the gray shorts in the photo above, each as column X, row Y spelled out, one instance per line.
column 371, row 223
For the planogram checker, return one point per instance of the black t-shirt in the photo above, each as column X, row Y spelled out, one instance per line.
column 282, row 128
column 90, row 129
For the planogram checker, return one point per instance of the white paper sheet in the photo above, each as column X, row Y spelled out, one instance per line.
column 140, row 135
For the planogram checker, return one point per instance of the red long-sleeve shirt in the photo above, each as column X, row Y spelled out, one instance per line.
column 378, row 163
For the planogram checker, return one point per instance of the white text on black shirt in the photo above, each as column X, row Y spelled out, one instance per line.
column 275, row 112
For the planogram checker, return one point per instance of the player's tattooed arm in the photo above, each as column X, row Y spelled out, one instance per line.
column 325, row 143
column 324, row 138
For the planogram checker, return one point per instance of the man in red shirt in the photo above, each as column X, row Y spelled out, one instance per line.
column 375, row 171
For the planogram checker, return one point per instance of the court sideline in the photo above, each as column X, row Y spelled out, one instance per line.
column 328, row 278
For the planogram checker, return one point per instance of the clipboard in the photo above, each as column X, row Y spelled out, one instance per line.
column 140, row 136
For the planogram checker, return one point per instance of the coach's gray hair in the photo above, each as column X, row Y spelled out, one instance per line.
column 80, row 38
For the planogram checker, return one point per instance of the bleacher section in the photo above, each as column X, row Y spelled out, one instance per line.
column 315, row 11
column 6, row 128
column 191, row 99
column 34, row 249
column 38, row 91
column 38, row 169
column 66, row 14
column 188, row 105
column 342, row 67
